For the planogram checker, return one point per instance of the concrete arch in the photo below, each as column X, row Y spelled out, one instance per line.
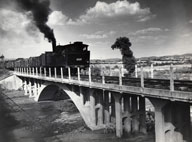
column 52, row 92
column 77, row 100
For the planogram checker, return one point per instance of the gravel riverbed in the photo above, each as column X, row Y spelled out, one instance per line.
column 24, row 120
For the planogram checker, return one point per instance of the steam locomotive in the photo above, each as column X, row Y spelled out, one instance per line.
column 70, row 55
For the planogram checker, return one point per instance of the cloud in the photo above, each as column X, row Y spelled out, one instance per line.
column 18, row 36
column 98, row 35
column 117, row 9
column 57, row 18
column 146, row 18
column 152, row 35
column 7, row 4
column 12, row 21
column 104, row 12
column 186, row 35
column 146, row 31
column 190, row 21
column 15, row 25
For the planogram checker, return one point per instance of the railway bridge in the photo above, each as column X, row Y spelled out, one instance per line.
column 106, row 100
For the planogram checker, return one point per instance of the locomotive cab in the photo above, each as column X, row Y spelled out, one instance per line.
column 71, row 48
column 72, row 55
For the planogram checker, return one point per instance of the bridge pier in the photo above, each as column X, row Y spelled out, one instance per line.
column 30, row 88
column 130, row 114
column 127, row 111
column 112, row 104
column 81, row 95
column 172, row 121
column 35, row 92
column 135, row 119
column 38, row 87
column 25, row 87
column 118, row 114
column 92, row 106
column 142, row 116
column 99, row 107
column 127, row 114
column 106, row 107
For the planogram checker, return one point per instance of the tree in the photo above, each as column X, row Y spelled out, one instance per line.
column 123, row 44
column 2, row 62
column 2, row 57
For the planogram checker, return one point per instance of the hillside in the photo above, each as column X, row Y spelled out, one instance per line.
column 103, row 61
column 4, row 73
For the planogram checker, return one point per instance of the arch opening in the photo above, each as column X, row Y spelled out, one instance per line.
column 75, row 94
column 54, row 93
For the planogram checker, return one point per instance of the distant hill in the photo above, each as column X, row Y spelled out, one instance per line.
column 105, row 61
column 167, row 56
column 187, row 56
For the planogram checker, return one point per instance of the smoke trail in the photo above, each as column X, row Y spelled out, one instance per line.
column 40, row 11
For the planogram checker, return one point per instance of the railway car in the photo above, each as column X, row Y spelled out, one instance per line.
column 48, row 59
column 70, row 55
column 34, row 62
column 19, row 62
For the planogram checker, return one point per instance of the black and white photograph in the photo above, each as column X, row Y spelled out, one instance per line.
column 95, row 70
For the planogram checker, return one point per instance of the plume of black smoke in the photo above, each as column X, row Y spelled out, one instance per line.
column 40, row 11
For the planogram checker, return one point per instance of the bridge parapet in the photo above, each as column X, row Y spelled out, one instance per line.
column 137, row 86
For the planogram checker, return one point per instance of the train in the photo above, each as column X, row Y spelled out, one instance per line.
column 72, row 55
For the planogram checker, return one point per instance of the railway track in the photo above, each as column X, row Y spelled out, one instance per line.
column 179, row 85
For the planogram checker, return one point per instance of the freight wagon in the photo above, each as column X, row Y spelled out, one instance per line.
column 70, row 55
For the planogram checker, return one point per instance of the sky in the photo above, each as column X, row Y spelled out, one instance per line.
column 154, row 27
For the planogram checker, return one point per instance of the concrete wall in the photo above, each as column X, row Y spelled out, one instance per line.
column 12, row 83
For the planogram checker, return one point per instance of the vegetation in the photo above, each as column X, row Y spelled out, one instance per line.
column 2, row 61
column 96, row 71
column 2, row 57
column 129, row 61
column 4, row 73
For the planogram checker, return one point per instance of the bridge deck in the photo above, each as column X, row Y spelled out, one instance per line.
column 149, row 90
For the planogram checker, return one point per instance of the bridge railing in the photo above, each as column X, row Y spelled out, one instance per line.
column 62, row 73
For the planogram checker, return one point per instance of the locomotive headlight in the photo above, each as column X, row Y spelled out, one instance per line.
column 78, row 59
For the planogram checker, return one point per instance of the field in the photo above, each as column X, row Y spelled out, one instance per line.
column 181, row 72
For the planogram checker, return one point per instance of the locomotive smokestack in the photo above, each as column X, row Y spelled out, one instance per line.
column 40, row 11
column 54, row 45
